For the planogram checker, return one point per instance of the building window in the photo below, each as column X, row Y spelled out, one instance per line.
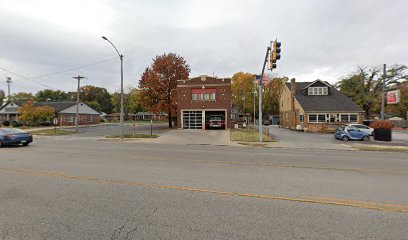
column 203, row 95
column 317, row 118
column 312, row 117
column 70, row 119
column 349, row 118
column 90, row 118
column 321, row 117
column 317, row 91
column 302, row 118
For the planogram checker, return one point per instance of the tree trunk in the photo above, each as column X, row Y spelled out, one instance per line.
column 170, row 123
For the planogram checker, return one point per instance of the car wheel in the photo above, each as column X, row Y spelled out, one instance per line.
column 366, row 138
column 25, row 144
column 1, row 144
column 345, row 138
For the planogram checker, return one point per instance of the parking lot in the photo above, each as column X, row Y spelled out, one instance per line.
column 295, row 139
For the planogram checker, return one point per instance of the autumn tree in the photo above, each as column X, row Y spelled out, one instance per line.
column 2, row 96
column 243, row 88
column 96, row 97
column 131, row 101
column 49, row 95
column 33, row 116
column 22, row 97
column 271, row 94
column 159, row 81
column 364, row 85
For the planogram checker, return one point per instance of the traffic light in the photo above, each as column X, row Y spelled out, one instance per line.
column 275, row 54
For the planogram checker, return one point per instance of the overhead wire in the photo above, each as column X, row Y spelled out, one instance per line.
column 55, row 73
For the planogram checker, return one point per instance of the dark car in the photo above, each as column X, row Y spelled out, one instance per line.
column 14, row 136
column 351, row 133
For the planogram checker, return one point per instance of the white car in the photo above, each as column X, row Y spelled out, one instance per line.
column 363, row 128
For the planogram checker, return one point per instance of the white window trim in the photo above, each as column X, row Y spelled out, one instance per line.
column 317, row 117
column 318, row 91
column 348, row 117
column 70, row 119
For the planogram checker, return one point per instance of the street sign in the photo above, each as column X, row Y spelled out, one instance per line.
column 55, row 121
column 393, row 97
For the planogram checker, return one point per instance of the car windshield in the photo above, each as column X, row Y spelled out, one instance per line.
column 11, row 130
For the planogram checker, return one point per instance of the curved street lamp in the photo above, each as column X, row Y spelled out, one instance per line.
column 121, row 86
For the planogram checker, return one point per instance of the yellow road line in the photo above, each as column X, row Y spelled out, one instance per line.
column 307, row 199
column 306, row 167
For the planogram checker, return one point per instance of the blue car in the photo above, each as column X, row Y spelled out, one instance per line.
column 351, row 133
column 14, row 136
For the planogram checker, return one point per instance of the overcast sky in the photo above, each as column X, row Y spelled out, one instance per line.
column 323, row 39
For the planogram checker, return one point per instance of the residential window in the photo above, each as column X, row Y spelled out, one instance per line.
column 349, row 118
column 90, row 118
column 317, row 118
column 317, row 91
column 312, row 117
column 321, row 117
column 70, row 119
column 353, row 117
column 301, row 118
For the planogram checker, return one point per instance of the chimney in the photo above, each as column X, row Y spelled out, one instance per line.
column 292, row 93
column 293, row 87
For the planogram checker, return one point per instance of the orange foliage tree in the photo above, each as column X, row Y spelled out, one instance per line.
column 34, row 116
column 159, row 81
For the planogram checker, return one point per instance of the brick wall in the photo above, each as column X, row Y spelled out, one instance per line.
column 84, row 119
column 222, row 97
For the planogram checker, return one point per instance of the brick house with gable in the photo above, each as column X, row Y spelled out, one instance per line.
column 64, row 111
column 316, row 107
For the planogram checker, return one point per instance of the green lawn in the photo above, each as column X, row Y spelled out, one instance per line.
column 250, row 135
column 51, row 132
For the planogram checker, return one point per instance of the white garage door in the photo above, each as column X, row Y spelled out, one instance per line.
column 192, row 119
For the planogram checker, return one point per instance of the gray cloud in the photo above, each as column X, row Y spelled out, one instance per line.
column 320, row 39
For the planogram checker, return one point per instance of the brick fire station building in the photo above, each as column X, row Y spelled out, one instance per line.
column 204, row 102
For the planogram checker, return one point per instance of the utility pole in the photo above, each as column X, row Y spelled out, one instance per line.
column 260, row 95
column 77, row 103
column 383, row 92
column 254, row 104
column 8, row 81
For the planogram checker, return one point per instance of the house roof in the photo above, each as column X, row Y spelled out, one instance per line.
column 58, row 106
column 335, row 102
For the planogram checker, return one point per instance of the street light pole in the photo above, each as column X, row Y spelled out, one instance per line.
column 121, row 87
column 8, row 81
column 77, row 103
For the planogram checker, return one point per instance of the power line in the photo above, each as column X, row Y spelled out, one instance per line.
column 20, row 76
column 54, row 73
column 76, row 68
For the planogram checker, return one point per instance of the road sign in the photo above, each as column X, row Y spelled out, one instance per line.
column 55, row 121
column 393, row 97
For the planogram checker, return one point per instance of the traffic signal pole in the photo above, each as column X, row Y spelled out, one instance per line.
column 260, row 94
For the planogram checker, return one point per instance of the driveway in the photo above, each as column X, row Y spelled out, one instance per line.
column 295, row 139
column 195, row 137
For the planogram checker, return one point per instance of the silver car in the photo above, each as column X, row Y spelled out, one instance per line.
column 363, row 128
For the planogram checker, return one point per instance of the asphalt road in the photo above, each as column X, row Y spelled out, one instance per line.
column 77, row 188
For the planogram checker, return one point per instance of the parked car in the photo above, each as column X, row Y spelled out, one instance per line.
column 14, row 136
column 363, row 128
column 351, row 133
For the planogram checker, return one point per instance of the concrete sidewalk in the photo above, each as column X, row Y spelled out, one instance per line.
column 196, row 137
